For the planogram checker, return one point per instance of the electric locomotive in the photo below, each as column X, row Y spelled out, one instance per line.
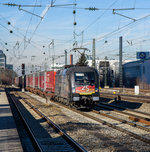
column 77, row 86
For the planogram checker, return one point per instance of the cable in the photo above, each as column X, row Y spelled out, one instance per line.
column 134, row 4
column 24, row 36
column 28, row 26
column 44, row 13
column 5, row 47
column 118, row 30
column 94, row 21
column 20, row 37
column 75, row 23
column 100, row 15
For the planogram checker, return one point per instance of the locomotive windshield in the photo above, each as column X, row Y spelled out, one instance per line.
column 85, row 77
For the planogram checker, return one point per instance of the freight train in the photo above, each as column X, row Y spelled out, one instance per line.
column 73, row 85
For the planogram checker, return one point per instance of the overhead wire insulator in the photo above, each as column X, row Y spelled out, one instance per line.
column 74, row 12
column 11, row 31
column 8, row 23
column 92, row 8
column 75, row 23
column 10, row 4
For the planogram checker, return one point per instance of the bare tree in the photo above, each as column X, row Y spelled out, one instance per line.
column 82, row 60
column 7, row 76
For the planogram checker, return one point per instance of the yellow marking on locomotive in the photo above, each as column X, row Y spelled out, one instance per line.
column 86, row 92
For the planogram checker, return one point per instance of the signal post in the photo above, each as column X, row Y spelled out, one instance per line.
column 23, row 73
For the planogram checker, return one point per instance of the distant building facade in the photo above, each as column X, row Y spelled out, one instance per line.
column 3, row 64
column 108, row 71
column 2, row 60
column 9, row 66
column 137, row 73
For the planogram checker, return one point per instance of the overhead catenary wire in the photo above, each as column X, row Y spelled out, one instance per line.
column 126, row 46
column 39, row 23
column 28, row 28
column 99, row 16
column 74, row 24
column 117, row 30
column 76, row 33
column 20, row 36
column 82, row 32
column 68, row 6
column 24, row 36
column 2, row 43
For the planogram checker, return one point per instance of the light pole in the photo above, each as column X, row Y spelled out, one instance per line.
column 120, row 63
column 65, row 57
column 105, row 80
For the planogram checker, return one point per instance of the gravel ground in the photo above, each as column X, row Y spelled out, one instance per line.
column 94, row 136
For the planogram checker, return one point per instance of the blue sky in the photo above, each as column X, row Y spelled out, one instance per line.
column 57, row 25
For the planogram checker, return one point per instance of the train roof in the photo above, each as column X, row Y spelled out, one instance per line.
column 70, row 66
column 68, row 69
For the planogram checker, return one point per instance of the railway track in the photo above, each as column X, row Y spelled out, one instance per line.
column 34, row 141
column 126, row 97
column 126, row 109
column 112, row 125
column 133, row 124
column 143, row 92
column 64, row 142
column 134, row 115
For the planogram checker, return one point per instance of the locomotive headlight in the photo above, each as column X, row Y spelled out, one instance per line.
column 73, row 90
column 96, row 89
column 95, row 98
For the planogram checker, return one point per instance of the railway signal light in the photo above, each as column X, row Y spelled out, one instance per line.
column 23, row 68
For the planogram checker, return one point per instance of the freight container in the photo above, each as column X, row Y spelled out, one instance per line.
column 36, row 79
column 50, row 81
column 42, row 79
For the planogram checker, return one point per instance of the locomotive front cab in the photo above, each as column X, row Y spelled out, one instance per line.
column 85, row 87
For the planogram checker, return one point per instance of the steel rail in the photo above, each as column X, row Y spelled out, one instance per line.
column 36, row 145
column 125, row 90
column 103, row 122
column 118, row 128
column 136, row 136
column 144, row 99
column 123, row 108
column 143, row 120
column 123, row 121
column 72, row 142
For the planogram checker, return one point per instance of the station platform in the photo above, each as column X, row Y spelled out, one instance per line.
column 9, row 138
